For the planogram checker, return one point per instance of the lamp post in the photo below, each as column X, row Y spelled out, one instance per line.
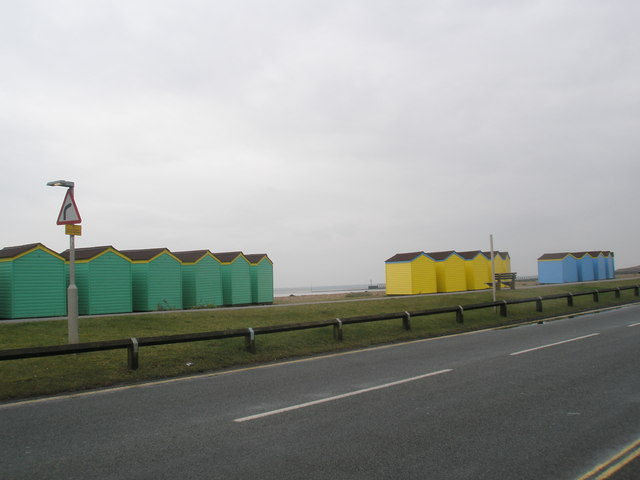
column 70, row 216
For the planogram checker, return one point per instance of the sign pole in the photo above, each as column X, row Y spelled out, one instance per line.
column 69, row 216
column 72, row 295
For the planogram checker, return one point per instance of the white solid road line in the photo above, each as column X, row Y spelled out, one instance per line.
column 553, row 344
column 634, row 325
column 338, row 397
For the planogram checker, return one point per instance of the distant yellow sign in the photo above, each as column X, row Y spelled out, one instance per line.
column 73, row 229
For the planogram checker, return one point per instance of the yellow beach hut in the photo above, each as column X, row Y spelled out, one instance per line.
column 475, row 267
column 410, row 273
column 450, row 271
column 502, row 262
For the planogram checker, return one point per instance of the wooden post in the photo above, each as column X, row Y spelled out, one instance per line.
column 493, row 268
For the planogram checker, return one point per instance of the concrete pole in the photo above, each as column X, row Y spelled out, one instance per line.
column 72, row 295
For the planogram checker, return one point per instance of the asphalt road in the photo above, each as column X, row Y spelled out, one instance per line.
column 547, row 401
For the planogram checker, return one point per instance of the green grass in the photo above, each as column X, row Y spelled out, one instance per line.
column 41, row 376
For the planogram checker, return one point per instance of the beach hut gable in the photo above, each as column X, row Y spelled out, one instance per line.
column 236, row 278
column 441, row 256
column 450, row 271
column 32, row 282
column 194, row 256
column 404, row 257
column 561, row 267
column 261, row 270
column 201, row 279
column 477, row 269
column 88, row 254
column 410, row 273
column 147, row 255
column 156, row 279
column 104, row 280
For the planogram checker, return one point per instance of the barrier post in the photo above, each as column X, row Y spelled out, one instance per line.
column 250, row 341
column 596, row 295
column 132, row 354
column 618, row 292
column 503, row 308
column 539, row 304
column 570, row 299
column 337, row 330
column 406, row 321
column 636, row 289
column 460, row 314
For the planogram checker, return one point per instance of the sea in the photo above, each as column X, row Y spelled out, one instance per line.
column 325, row 289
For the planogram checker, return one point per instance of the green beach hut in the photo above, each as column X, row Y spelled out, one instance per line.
column 103, row 278
column 261, row 270
column 236, row 278
column 156, row 279
column 32, row 282
column 201, row 279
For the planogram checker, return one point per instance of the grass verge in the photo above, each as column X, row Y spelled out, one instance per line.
column 42, row 376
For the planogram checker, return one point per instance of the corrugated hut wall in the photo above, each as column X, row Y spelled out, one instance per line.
column 236, row 278
column 32, row 282
column 450, row 271
column 156, row 279
column 410, row 273
column 103, row 278
column 201, row 279
column 261, row 270
column 477, row 274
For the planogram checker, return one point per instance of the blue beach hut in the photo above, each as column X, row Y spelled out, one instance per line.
column 585, row 266
column 610, row 268
column 557, row 268
column 599, row 265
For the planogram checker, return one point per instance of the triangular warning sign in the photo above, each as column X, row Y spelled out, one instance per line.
column 69, row 213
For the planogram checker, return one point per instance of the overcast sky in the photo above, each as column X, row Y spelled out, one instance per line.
column 328, row 134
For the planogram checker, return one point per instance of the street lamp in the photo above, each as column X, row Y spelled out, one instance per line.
column 70, row 216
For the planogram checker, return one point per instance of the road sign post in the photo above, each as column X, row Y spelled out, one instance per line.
column 70, row 217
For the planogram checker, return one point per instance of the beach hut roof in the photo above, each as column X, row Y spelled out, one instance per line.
column 15, row 251
column 470, row 255
column 441, row 255
column 87, row 253
column 254, row 258
column 227, row 257
column 554, row 256
column 144, row 254
column 404, row 257
column 496, row 253
column 191, row 256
